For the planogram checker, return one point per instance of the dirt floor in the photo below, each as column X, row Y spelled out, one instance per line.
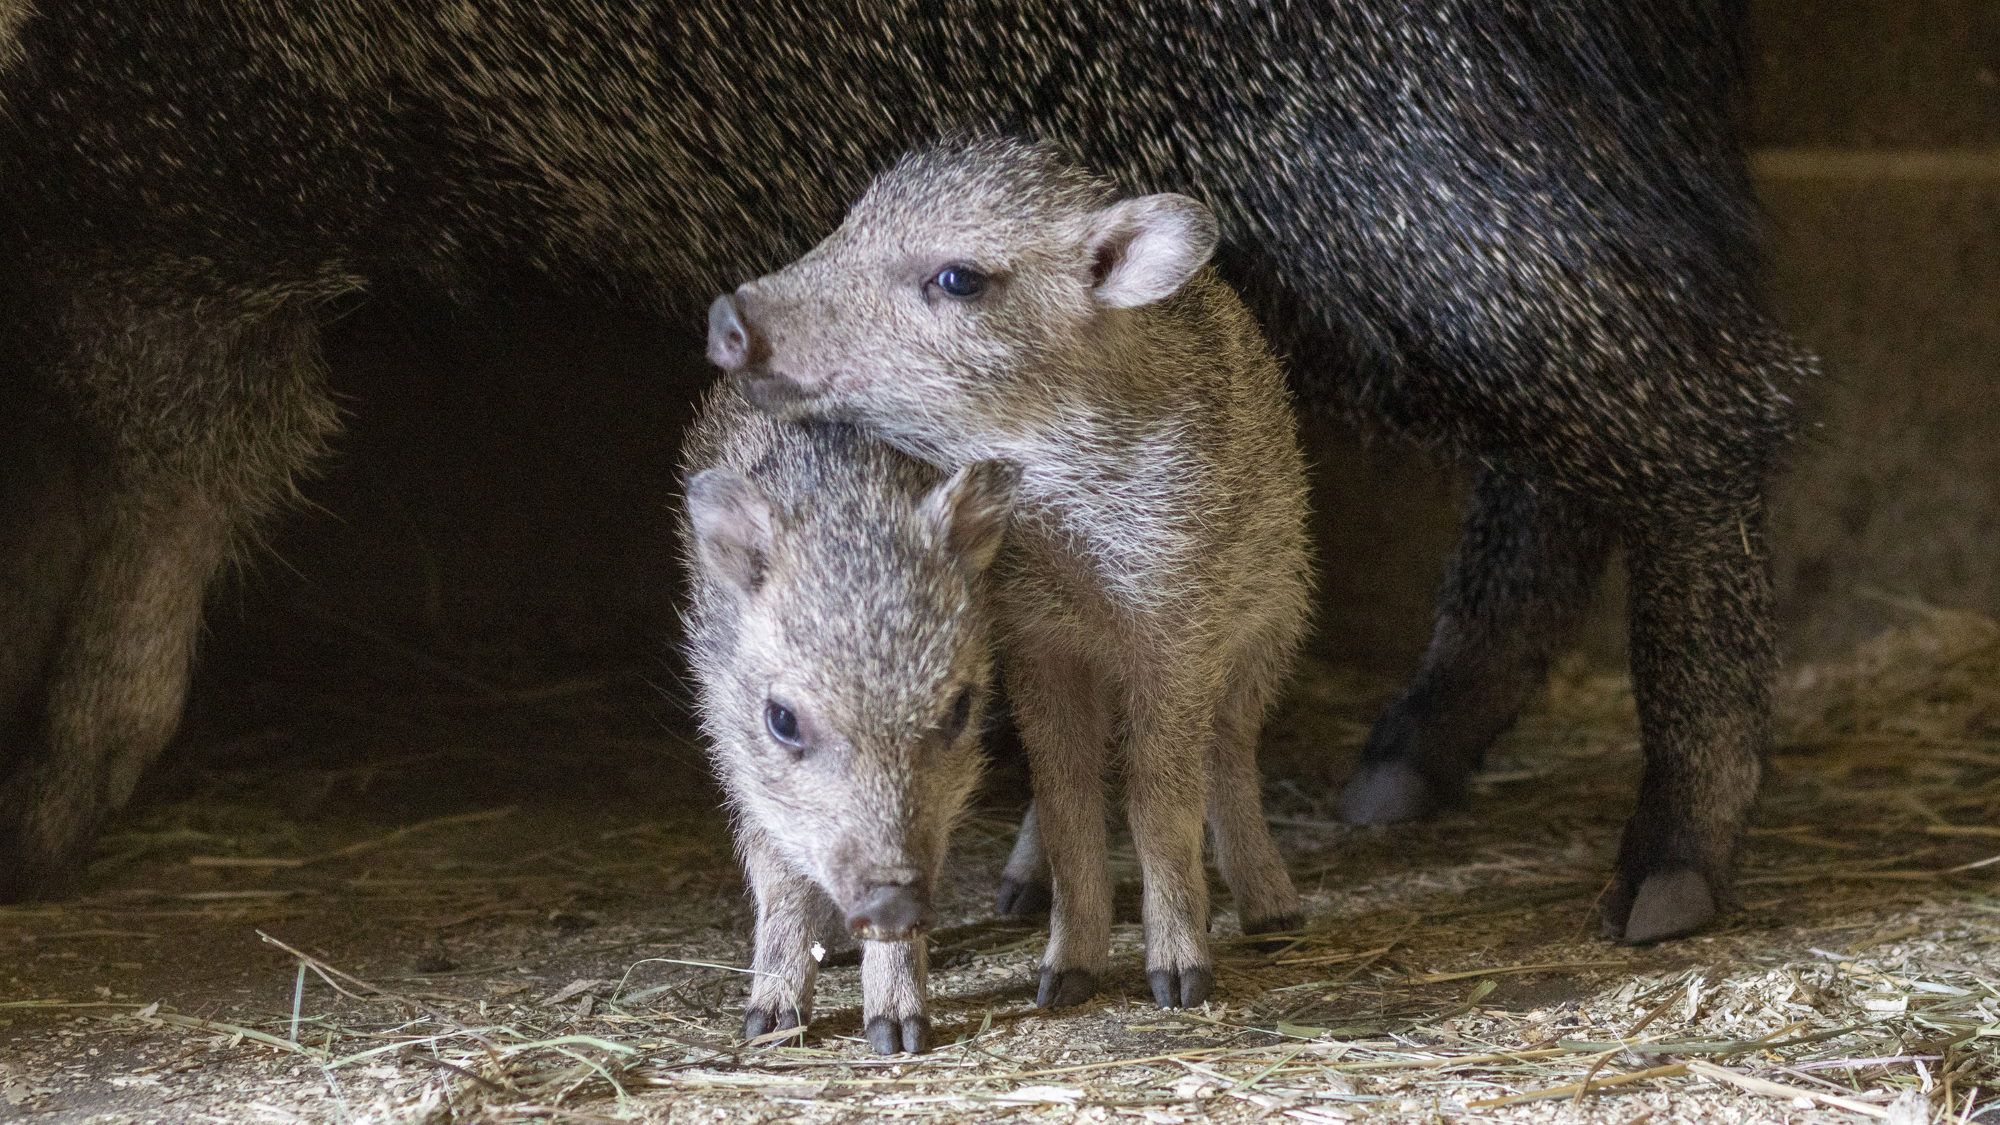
column 454, row 900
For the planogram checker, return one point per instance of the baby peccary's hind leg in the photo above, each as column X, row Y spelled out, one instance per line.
column 1528, row 559
column 1024, row 882
column 1702, row 661
column 1265, row 899
column 1065, row 724
column 1165, row 794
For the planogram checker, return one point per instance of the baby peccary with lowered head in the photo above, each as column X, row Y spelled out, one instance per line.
column 838, row 630
column 988, row 300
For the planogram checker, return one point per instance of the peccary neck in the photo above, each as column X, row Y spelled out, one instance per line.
column 1126, row 442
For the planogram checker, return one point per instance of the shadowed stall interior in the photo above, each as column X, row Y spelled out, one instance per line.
column 501, row 499
column 475, row 617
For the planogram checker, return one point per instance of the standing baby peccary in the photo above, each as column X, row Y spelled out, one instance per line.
column 837, row 628
column 986, row 299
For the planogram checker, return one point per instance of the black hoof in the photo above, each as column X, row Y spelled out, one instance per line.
column 764, row 1021
column 910, row 1034
column 1180, row 988
column 1065, row 988
column 1275, row 924
column 1031, row 899
column 1669, row 904
column 1387, row 793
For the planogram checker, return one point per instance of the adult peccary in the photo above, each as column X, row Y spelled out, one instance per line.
column 1520, row 235
column 838, row 629
column 986, row 300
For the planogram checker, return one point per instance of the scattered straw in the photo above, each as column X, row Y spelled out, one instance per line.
column 520, row 964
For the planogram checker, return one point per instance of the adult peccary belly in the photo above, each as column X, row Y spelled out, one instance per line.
column 1521, row 236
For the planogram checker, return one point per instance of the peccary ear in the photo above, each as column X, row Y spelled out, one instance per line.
column 970, row 511
column 1143, row 250
column 732, row 527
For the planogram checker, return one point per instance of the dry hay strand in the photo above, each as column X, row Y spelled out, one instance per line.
column 1450, row 970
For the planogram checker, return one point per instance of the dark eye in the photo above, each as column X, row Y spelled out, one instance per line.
column 783, row 724
column 962, row 282
column 961, row 710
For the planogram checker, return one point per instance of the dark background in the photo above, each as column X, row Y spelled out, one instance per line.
column 501, row 508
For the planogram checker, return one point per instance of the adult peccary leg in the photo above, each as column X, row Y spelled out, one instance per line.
column 792, row 913
column 1065, row 719
column 1702, row 662
column 115, row 684
column 1528, row 560
column 1166, row 792
column 174, row 479
column 44, row 530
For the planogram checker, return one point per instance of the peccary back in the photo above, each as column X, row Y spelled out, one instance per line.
column 1475, row 216
column 1517, row 233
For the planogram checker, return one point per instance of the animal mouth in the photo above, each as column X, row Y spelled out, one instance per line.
column 883, row 933
column 771, row 391
column 889, row 912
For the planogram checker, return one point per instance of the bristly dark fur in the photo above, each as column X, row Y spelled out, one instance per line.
column 1521, row 235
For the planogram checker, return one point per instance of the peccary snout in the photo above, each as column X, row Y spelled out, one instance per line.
column 732, row 344
column 744, row 354
column 890, row 912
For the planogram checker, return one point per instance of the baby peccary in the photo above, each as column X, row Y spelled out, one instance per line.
column 988, row 300
column 838, row 631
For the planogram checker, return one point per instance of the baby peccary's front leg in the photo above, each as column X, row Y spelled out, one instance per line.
column 1165, row 800
column 791, row 913
column 892, row 995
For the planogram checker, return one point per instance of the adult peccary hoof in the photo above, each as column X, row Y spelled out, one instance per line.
column 1065, row 988
column 889, row 1036
column 1023, row 899
column 1669, row 904
column 1387, row 793
column 1180, row 988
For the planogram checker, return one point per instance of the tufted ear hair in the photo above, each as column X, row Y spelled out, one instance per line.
column 969, row 512
column 1143, row 250
column 733, row 528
